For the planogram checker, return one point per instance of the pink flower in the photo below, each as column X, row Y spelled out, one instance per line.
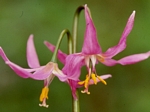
column 91, row 54
column 75, row 69
column 37, row 72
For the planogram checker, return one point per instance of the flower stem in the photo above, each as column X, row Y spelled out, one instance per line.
column 75, row 102
column 65, row 31
column 75, row 27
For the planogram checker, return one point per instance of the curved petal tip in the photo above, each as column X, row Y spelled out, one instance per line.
column 132, row 15
column 32, row 57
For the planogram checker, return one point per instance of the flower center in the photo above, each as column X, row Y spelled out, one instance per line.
column 91, row 79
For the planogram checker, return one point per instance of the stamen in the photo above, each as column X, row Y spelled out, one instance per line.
column 102, row 80
column 86, row 84
column 81, row 82
column 44, row 93
column 86, row 81
column 94, row 78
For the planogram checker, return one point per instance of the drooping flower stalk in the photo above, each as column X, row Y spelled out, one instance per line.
column 47, row 82
column 70, row 43
column 75, row 102
column 75, row 27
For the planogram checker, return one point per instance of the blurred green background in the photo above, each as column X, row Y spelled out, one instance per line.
column 127, row 91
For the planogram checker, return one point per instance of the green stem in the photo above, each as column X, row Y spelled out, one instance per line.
column 75, row 27
column 75, row 102
column 65, row 31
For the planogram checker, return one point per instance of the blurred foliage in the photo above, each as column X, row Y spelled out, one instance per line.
column 127, row 91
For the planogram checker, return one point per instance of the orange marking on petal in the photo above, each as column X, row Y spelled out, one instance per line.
column 100, row 58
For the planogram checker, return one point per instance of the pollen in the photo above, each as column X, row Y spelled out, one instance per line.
column 85, row 82
column 88, row 81
column 81, row 82
column 94, row 78
column 102, row 80
column 44, row 93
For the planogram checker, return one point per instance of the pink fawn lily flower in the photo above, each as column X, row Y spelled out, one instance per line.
column 73, row 71
column 91, row 53
column 37, row 72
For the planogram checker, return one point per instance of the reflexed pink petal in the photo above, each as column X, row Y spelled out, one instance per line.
column 90, row 45
column 128, row 28
column 106, row 76
column 22, row 72
column 3, row 55
column 134, row 58
column 73, row 85
column 122, row 43
column 32, row 57
column 109, row 62
column 19, row 71
column 114, row 50
column 44, row 72
column 61, row 56
column 102, row 76
column 72, row 68
column 62, row 77
column 31, row 70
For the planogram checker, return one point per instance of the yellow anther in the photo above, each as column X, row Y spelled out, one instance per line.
column 94, row 78
column 81, row 82
column 86, row 81
column 103, row 81
column 44, row 93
